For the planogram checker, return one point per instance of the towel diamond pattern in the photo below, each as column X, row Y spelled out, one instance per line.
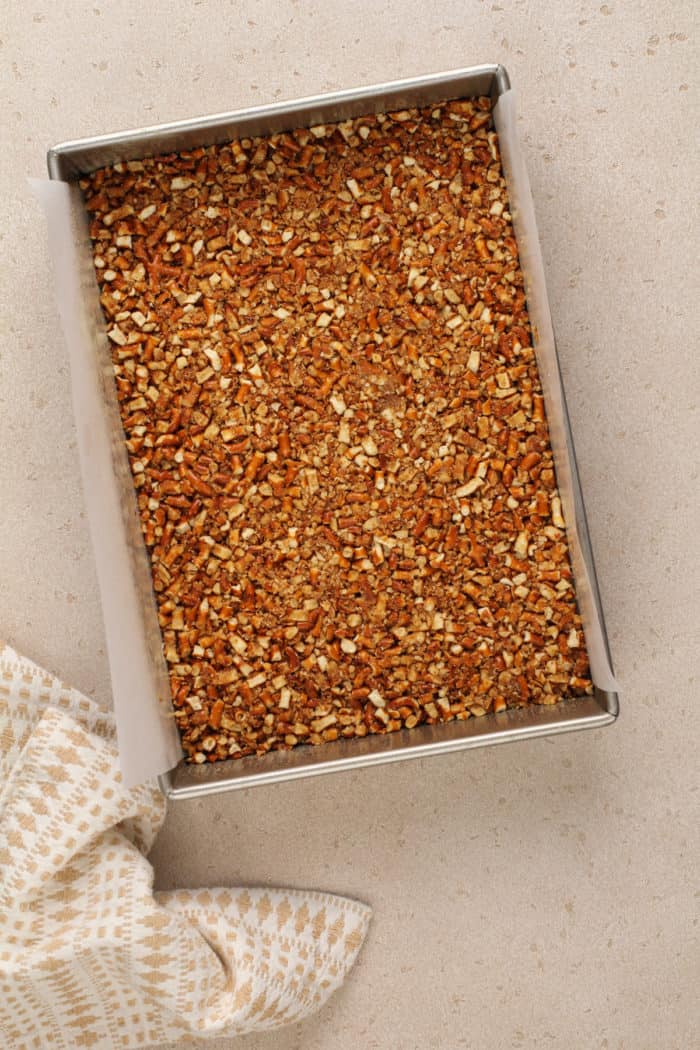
column 90, row 956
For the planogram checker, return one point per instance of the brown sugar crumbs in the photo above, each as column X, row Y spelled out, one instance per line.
column 336, row 431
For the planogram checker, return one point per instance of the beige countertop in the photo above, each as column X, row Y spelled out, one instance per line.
column 536, row 895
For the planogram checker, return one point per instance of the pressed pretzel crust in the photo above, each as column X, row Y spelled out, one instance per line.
column 336, row 430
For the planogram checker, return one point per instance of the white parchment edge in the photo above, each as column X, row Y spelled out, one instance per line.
column 146, row 733
column 523, row 213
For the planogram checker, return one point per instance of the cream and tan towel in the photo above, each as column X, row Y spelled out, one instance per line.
column 90, row 956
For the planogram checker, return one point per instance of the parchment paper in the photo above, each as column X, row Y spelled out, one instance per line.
column 523, row 212
column 147, row 736
column 148, row 739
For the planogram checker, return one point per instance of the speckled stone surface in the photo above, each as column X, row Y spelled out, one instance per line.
column 532, row 896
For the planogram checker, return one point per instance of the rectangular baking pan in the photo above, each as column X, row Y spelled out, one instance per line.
column 68, row 162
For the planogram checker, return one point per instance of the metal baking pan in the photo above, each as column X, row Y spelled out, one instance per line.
column 68, row 161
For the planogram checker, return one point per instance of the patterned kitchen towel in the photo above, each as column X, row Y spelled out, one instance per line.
column 90, row 956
